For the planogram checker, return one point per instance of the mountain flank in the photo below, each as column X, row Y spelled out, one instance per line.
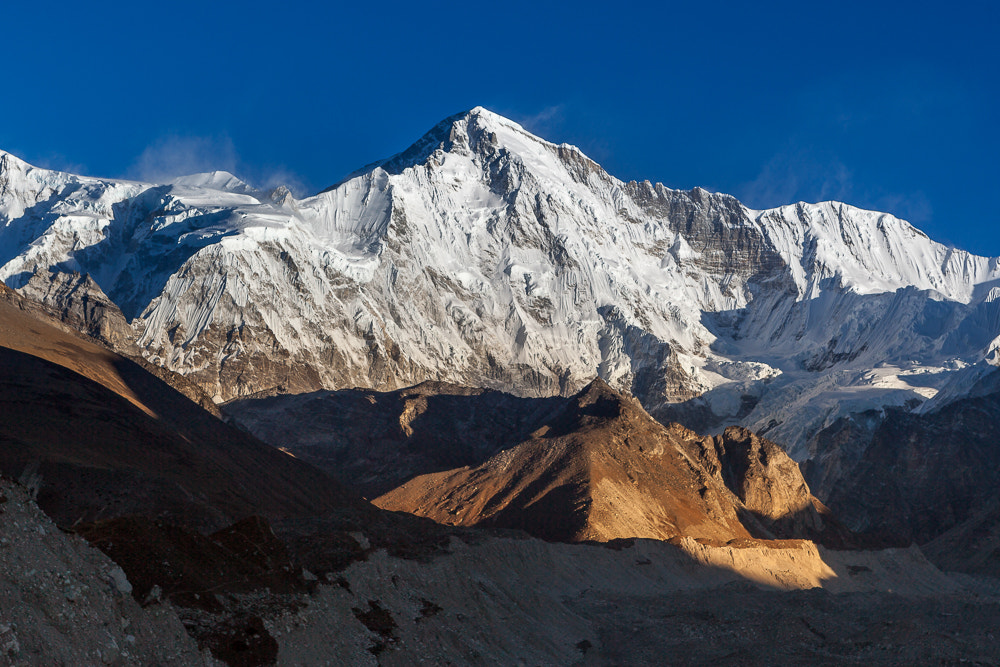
column 931, row 478
column 98, row 436
column 600, row 468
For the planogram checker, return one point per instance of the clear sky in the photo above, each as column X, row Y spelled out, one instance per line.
column 891, row 106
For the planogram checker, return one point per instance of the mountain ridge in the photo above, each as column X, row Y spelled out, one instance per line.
column 97, row 435
column 524, row 267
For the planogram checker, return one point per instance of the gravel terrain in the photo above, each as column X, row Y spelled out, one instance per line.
column 62, row 602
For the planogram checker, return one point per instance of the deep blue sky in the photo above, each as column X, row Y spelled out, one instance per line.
column 890, row 106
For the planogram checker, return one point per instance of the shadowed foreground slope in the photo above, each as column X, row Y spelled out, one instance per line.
column 98, row 436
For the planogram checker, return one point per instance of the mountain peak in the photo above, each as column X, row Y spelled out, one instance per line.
column 459, row 133
column 602, row 469
column 214, row 180
column 598, row 386
column 600, row 393
column 10, row 162
column 487, row 115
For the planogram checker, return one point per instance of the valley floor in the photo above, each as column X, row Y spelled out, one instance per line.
column 742, row 625
column 490, row 599
column 527, row 602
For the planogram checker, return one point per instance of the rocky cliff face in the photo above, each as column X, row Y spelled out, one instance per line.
column 64, row 602
column 770, row 486
column 80, row 303
column 923, row 475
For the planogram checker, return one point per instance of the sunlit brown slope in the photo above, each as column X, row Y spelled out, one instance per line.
column 99, row 436
column 24, row 328
column 601, row 469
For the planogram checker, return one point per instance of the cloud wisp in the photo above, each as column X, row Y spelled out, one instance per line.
column 173, row 156
column 544, row 122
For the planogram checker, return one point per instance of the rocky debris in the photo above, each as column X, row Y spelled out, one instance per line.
column 228, row 586
column 512, row 601
column 600, row 468
column 736, row 625
column 191, row 569
column 239, row 641
column 220, row 584
column 479, row 600
column 64, row 602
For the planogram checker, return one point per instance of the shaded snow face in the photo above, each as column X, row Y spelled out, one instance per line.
column 483, row 255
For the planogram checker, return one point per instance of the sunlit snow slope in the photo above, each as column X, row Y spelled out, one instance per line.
column 483, row 255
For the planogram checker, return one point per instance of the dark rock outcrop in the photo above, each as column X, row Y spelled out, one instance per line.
column 923, row 475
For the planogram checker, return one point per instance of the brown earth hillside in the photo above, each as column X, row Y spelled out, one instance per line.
column 601, row 468
column 98, row 436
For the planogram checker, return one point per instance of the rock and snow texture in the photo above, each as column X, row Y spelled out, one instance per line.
column 485, row 256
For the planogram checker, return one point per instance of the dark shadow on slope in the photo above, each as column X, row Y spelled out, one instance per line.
column 816, row 524
column 374, row 441
column 924, row 474
column 223, row 585
column 973, row 545
column 546, row 518
column 98, row 455
column 839, row 447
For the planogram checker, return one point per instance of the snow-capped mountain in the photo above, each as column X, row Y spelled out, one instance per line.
column 486, row 256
